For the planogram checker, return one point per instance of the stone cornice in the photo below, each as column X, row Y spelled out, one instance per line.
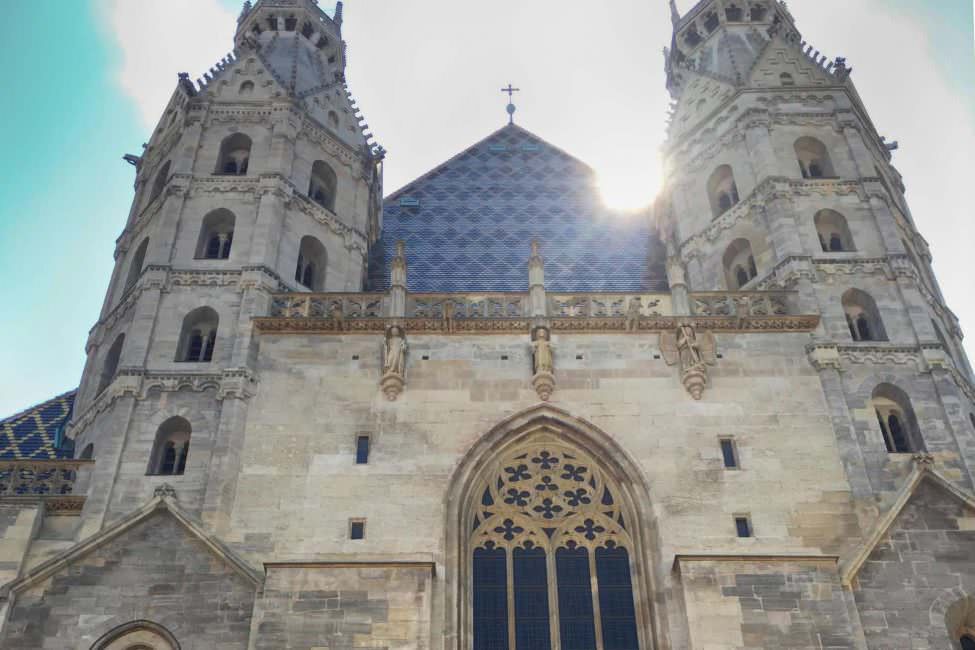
column 485, row 326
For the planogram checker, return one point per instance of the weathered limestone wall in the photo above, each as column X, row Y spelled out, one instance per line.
column 735, row 604
column 923, row 566
column 344, row 606
column 156, row 571
column 18, row 526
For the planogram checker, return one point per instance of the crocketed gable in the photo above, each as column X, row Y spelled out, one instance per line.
column 469, row 223
column 34, row 434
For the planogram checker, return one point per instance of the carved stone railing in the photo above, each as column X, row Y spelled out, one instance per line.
column 606, row 305
column 327, row 305
column 60, row 484
column 744, row 303
column 462, row 306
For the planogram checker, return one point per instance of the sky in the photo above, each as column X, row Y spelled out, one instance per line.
column 427, row 75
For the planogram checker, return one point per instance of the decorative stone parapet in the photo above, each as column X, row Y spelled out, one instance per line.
column 55, row 482
column 505, row 313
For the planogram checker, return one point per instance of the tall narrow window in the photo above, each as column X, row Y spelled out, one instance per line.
column 136, row 264
column 310, row 271
column 357, row 529
column 729, row 453
column 895, row 416
column 834, row 233
column 862, row 316
column 110, row 364
column 321, row 188
column 548, row 523
column 722, row 190
column 199, row 336
column 743, row 526
column 171, row 448
column 362, row 450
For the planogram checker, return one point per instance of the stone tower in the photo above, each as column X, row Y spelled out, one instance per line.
column 258, row 178
column 778, row 179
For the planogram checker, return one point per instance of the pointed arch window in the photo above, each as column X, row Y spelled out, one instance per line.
column 110, row 364
column 550, row 554
column 235, row 154
column 137, row 635
column 135, row 266
column 834, row 233
column 171, row 448
column 216, row 235
column 159, row 184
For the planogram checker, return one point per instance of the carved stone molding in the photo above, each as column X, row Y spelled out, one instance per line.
column 202, row 278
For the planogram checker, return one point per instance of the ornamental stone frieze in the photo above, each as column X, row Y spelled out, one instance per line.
column 211, row 185
column 194, row 278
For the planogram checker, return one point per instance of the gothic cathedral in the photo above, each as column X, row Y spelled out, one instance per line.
column 486, row 412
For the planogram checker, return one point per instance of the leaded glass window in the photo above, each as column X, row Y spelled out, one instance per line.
column 550, row 555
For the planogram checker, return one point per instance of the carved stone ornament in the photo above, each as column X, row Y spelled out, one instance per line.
column 165, row 491
column 543, row 363
column 693, row 351
column 394, row 363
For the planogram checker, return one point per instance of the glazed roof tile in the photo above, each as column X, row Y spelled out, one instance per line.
column 468, row 225
column 34, row 434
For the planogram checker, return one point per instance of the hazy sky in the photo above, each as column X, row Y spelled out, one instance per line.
column 426, row 74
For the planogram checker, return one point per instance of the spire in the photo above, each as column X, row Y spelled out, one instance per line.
column 674, row 14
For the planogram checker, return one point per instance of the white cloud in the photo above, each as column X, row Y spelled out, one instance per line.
column 158, row 38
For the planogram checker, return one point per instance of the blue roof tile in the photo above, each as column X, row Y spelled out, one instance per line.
column 35, row 434
column 471, row 221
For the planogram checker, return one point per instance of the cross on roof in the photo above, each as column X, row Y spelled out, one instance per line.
column 511, row 90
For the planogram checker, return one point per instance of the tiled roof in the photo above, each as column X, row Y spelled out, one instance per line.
column 469, row 223
column 34, row 434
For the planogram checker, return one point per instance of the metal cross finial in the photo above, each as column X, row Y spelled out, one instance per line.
column 511, row 90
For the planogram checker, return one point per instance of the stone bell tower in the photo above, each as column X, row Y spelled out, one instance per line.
column 778, row 179
column 260, row 177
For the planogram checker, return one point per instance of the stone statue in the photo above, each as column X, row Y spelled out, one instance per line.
column 544, row 361
column 336, row 314
column 634, row 311
column 693, row 352
column 395, row 357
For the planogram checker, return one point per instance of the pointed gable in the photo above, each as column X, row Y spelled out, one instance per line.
column 468, row 225
column 780, row 57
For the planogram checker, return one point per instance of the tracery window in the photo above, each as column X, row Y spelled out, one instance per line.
column 898, row 423
column 550, row 554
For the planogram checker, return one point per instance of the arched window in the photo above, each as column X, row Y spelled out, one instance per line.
column 159, row 184
column 247, row 88
column 310, row 271
column 814, row 161
column 550, row 542
column 216, row 235
column 235, row 154
column 321, row 188
column 110, row 364
column 137, row 635
column 734, row 13
column 758, row 14
column 896, row 418
column 88, row 452
column 786, row 79
column 863, row 317
column 171, row 449
column 135, row 266
column 290, row 24
column 722, row 190
column 199, row 336
column 834, row 233
column 739, row 264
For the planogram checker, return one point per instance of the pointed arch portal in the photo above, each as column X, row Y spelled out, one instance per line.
column 550, row 525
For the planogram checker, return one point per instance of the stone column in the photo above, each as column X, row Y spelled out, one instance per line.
column 537, row 301
column 676, row 277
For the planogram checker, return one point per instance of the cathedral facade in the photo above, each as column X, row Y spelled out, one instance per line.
column 486, row 412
